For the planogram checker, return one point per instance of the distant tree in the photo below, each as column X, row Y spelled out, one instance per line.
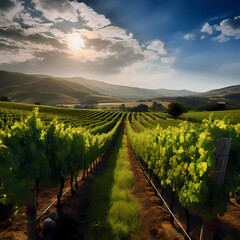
column 89, row 106
column 122, row 106
column 78, row 106
column 221, row 106
column 5, row 99
column 212, row 106
column 175, row 109
column 157, row 106
column 140, row 108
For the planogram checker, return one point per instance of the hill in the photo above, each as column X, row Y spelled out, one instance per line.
column 26, row 88
column 229, row 94
column 134, row 93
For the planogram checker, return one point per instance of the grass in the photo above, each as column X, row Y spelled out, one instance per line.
column 114, row 212
column 233, row 115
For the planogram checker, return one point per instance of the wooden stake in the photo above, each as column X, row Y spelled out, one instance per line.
column 217, row 177
column 32, row 215
column 62, row 181
column 71, row 182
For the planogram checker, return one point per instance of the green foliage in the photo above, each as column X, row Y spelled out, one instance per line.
column 233, row 116
column 175, row 109
column 34, row 151
column 139, row 108
column 5, row 99
column 157, row 106
column 183, row 158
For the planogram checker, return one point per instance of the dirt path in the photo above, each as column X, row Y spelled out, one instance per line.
column 154, row 218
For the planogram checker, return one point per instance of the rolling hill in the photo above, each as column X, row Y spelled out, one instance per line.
column 229, row 94
column 29, row 88
column 129, row 92
column 26, row 88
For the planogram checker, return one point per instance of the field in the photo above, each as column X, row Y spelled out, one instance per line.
column 91, row 163
column 232, row 115
column 129, row 104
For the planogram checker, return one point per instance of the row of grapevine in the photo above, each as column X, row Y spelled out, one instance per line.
column 34, row 153
column 144, row 122
column 183, row 159
column 74, row 117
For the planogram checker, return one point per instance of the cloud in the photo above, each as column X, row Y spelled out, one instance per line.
column 207, row 29
column 92, row 19
column 8, row 47
column 157, row 46
column 168, row 60
column 43, row 37
column 221, row 38
column 202, row 37
column 56, row 10
column 20, row 36
column 228, row 28
column 6, row 5
column 8, row 10
column 189, row 36
column 49, row 61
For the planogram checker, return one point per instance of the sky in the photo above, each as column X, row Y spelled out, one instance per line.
column 174, row 44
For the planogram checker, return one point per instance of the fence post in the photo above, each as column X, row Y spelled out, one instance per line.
column 32, row 215
column 217, row 177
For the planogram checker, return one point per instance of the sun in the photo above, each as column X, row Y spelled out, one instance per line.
column 76, row 41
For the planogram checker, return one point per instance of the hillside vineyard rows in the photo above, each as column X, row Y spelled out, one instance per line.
column 40, row 147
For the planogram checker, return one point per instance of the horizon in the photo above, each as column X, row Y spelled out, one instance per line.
column 192, row 46
column 67, row 78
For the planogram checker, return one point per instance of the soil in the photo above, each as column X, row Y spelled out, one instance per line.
column 132, row 124
column 154, row 218
column 149, row 117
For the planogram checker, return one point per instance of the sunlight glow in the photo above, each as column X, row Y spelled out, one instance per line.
column 76, row 41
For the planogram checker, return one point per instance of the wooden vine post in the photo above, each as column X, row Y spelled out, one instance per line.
column 217, row 177
column 32, row 215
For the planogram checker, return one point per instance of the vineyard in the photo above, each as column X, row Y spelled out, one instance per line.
column 47, row 146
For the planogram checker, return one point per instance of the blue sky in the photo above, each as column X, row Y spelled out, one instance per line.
column 175, row 44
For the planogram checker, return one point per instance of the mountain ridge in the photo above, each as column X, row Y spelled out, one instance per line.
column 134, row 93
column 30, row 88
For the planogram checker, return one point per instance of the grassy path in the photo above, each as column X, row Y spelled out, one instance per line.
column 114, row 212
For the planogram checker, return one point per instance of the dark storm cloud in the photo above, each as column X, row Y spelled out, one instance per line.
column 10, row 48
column 50, row 62
column 21, row 36
column 6, row 5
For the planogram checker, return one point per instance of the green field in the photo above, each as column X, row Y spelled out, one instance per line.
column 232, row 115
